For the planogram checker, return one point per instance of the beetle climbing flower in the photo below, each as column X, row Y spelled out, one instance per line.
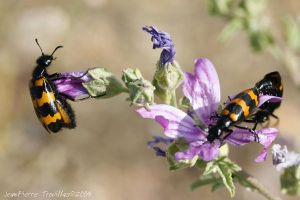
column 69, row 84
column 164, row 41
column 202, row 89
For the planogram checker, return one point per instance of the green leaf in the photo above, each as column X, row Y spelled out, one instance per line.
column 226, row 174
column 225, row 169
column 211, row 167
column 290, row 181
column 204, row 180
column 231, row 165
column 217, row 185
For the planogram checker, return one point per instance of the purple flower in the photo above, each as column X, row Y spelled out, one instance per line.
column 69, row 84
column 203, row 91
column 164, row 41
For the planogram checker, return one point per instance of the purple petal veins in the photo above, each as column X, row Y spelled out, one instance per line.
column 175, row 122
column 203, row 89
column 164, row 41
column 69, row 84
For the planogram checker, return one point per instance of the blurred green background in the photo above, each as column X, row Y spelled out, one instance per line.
column 107, row 154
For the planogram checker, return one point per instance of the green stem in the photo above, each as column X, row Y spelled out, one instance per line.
column 248, row 181
column 173, row 100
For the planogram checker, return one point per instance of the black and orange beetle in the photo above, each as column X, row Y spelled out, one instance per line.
column 244, row 107
column 50, row 107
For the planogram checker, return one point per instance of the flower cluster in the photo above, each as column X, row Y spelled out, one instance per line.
column 202, row 89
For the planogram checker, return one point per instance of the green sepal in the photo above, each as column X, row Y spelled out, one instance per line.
column 179, row 145
column 131, row 75
column 141, row 91
column 169, row 76
column 166, row 80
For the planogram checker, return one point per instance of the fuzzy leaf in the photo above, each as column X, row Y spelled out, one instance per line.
column 211, row 167
column 226, row 175
column 225, row 168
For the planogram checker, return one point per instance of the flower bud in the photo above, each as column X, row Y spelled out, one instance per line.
column 167, row 78
column 131, row 75
column 104, row 84
column 141, row 92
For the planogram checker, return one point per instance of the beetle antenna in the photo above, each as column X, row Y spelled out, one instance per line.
column 37, row 42
column 58, row 47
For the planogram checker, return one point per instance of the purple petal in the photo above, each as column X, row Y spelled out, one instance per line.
column 175, row 122
column 265, row 98
column 240, row 137
column 164, row 41
column 203, row 89
column 207, row 151
column 69, row 84
column 262, row 156
column 265, row 137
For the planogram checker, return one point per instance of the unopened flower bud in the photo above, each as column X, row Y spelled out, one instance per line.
column 141, row 92
column 104, row 84
column 131, row 75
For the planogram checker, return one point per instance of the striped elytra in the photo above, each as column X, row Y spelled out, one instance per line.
column 244, row 107
column 51, row 108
